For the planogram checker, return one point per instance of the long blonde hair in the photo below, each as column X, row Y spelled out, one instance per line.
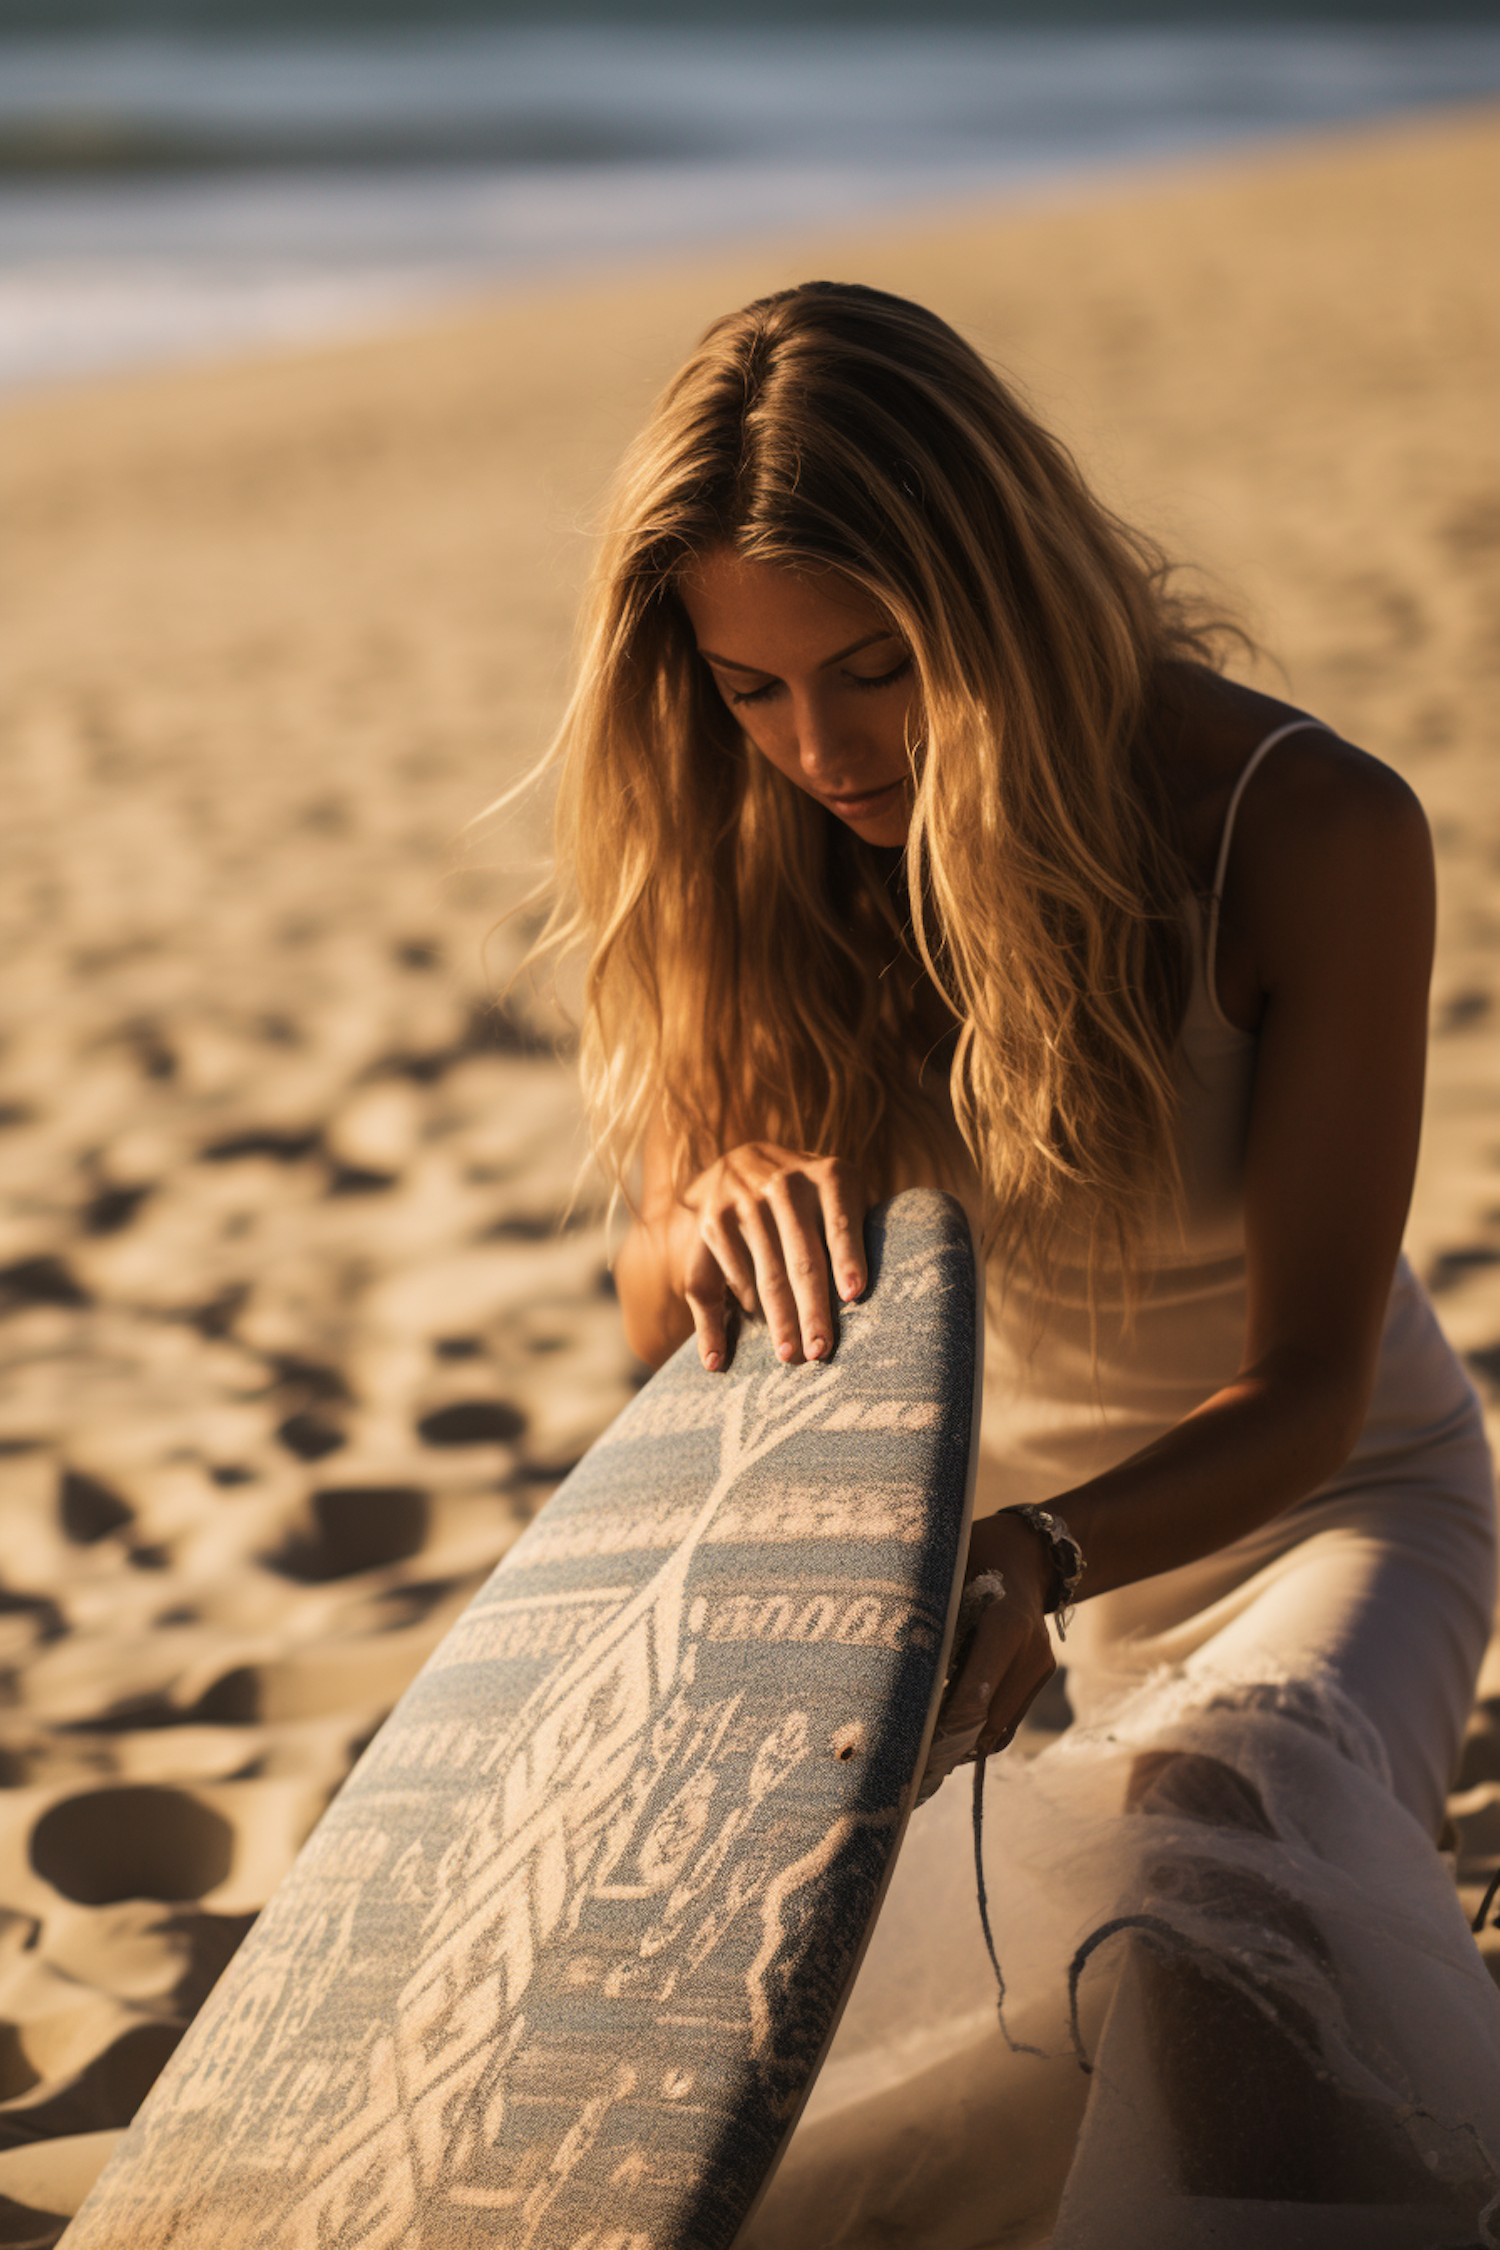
column 752, row 970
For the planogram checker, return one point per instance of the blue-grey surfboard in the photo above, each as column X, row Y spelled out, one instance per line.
column 558, row 1966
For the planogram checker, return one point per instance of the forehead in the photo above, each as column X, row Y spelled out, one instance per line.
column 767, row 616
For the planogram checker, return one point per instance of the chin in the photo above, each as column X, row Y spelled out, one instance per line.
column 887, row 828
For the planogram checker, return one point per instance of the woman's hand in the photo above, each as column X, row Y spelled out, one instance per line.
column 761, row 1226
column 1010, row 1659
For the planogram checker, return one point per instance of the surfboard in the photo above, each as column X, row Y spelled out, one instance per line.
column 557, row 1968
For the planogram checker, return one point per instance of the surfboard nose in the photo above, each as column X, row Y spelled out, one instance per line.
column 567, row 1950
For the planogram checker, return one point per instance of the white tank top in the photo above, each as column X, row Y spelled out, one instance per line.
column 1068, row 1397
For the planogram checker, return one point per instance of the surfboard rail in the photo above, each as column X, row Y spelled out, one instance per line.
column 561, row 1961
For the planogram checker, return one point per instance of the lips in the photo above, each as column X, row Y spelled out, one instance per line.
column 864, row 800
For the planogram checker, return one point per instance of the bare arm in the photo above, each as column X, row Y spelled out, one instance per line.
column 1335, row 891
column 1343, row 906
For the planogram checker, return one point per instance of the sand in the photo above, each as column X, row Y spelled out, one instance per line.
column 294, row 1342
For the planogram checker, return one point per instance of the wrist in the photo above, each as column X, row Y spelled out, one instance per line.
column 1062, row 1560
column 1000, row 1542
column 676, row 1233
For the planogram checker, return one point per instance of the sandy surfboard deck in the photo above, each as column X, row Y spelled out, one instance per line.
column 558, row 1966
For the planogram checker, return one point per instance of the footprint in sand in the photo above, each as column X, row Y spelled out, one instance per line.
column 354, row 1528
column 105, row 1845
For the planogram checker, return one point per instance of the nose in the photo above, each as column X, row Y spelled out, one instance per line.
column 823, row 743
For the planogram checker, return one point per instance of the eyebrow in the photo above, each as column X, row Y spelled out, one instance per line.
column 869, row 641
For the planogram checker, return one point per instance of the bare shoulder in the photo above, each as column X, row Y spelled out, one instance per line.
column 1312, row 798
column 1330, row 870
column 1331, row 874
column 1322, row 807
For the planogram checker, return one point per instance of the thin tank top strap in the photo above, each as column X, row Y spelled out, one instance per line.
column 1221, row 867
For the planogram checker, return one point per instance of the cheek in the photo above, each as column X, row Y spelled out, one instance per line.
column 749, row 723
column 907, row 720
column 768, row 741
column 752, row 718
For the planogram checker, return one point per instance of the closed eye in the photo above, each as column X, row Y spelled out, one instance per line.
column 764, row 693
column 881, row 679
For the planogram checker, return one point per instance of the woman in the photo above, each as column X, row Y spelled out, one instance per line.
column 915, row 835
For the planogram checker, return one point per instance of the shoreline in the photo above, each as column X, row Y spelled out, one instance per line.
column 211, row 268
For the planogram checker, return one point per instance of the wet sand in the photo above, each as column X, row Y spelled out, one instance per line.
column 293, row 1341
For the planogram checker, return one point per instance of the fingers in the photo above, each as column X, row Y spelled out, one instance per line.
column 843, row 1226
column 967, row 1706
column 724, row 1240
column 772, row 1239
column 769, row 1257
column 771, row 1220
column 707, row 1296
column 775, row 1231
column 947, row 1753
column 1011, row 1705
column 798, row 1211
column 1009, row 1663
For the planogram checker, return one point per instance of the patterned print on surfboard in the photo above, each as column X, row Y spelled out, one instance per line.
column 557, row 1967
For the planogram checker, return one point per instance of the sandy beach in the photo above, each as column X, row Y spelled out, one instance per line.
column 296, row 1333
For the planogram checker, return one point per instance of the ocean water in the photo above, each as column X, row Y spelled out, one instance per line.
column 187, row 192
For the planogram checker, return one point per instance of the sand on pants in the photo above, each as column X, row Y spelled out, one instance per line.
column 294, row 1342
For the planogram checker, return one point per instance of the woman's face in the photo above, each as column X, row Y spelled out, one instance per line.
column 812, row 671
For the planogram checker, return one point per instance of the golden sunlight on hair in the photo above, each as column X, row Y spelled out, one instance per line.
column 1011, row 984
